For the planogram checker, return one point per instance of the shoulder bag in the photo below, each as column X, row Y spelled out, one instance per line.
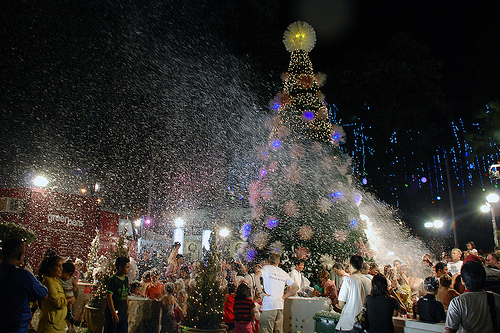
column 493, row 312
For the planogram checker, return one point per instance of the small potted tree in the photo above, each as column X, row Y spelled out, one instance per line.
column 99, row 273
column 206, row 299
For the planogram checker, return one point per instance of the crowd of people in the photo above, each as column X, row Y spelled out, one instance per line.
column 460, row 290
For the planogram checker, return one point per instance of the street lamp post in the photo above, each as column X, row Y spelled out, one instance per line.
column 493, row 198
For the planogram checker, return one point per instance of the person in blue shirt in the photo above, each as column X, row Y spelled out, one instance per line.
column 17, row 288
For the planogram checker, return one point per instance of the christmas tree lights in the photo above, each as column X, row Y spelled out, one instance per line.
column 304, row 204
column 206, row 298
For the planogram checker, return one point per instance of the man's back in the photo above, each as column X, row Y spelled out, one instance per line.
column 17, row 286
column 275, row 279
column 353, row 292
column 471, row 311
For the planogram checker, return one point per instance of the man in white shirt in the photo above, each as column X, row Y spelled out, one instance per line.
column 352, row 295
column 456, row 264
column 275, row 279
column 296, row 275
column 471, row 309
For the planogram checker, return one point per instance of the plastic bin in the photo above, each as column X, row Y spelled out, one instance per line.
column 325, row 323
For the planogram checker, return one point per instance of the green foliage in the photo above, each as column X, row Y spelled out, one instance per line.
column 304, row 204
column 10, row 230
column 118, row 250
column 206, row 299
column 325, row 206
column 93, row 258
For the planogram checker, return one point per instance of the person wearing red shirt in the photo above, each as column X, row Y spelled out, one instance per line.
column 155, row 289
column 243, row 310
column 228, row 308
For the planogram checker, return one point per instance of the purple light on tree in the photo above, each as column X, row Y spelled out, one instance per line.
column 276, row 143
column 271, row 222
column 308, row 115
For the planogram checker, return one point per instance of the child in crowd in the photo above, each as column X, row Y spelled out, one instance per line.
column 429, row 309
column 178, row 285
column 446, row 293
column 257, row 300
column 146, row 280
column 185, row 275
column 155, row 289
column 55, row 305
column 168, row 304
column 135, row 289
column 78, row 275
column 117, row 290
column 228, row 308
column 69, row 285
column 243, row 310
column 181, row 312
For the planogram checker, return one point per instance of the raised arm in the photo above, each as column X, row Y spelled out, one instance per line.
column 291, row 291
column 260, row 290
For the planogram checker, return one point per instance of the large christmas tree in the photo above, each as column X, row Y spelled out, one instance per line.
column 304, row 204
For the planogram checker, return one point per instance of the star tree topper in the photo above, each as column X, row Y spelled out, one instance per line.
column 299, row 36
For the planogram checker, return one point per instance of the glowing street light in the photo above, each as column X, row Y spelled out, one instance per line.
column 438, row 224
column 485, row 208
column 224, row 232
column 137, row 223
column 491, row 199
column 40, row 181
column 179, row 222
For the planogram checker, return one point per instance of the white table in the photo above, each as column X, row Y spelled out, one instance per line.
column 144, row 315
column 404, row 325
column 84, row 294
column 298, row 313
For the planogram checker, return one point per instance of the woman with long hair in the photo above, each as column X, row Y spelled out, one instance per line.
column 168, row 304
column 380, row 307
column 243, row 310
column 55, row 306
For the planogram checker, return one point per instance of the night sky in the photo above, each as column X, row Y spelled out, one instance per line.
column 114, row 92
